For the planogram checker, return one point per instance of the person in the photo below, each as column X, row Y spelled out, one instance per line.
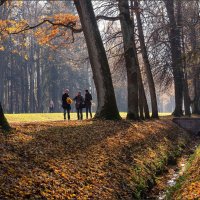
column 79, row 101
column 51, row 106
column 88, row 103
column 66, row 104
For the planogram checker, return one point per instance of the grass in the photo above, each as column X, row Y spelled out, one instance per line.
column 35, row 117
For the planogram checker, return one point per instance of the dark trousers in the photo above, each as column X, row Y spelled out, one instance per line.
column 88, row 109
column 50, row 109
column 79, row 113
column 68, row 113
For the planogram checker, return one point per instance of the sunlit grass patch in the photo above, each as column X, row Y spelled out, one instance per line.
column 35, row 117
column 31, row 117
column 162, row 114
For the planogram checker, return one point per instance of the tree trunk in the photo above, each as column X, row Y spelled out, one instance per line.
column 39, row 85
column 2, row 69
column 130, row 58
column 3, row 121
column 141, row 98
column 175, row 43
column 187, row 100
column 186, row 96
column 25, row 89
column 146, row 63
column 196, row 103
column 146, row 107
column 196, row 74
column 107, row 107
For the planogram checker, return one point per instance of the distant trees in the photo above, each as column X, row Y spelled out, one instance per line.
column 156, row 50
column 34, row 71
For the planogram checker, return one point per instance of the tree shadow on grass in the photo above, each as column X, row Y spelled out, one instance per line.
column 55, row 142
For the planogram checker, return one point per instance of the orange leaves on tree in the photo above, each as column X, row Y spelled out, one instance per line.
column 12, row 26
column 56, row 26
column 65, row 18
column 2, row 48
column 8, row 27
column 61, row 23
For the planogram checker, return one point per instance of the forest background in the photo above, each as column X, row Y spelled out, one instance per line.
column 39, row 62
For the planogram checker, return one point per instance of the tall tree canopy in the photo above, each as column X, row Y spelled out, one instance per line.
column 125, row 52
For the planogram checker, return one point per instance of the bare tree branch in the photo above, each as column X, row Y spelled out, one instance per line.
column 69, row 25
column 107, row 18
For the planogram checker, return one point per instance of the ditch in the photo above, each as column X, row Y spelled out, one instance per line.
column 171, row 173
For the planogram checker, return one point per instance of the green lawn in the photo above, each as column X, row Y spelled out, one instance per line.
column 31, row 117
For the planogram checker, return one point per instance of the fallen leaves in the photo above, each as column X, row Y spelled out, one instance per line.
column 82, row 160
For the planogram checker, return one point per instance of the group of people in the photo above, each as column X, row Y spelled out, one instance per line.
column 80, row 103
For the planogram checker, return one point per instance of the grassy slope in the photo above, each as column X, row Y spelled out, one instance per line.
column 188, row 185
column 85, row 160
column 30, row 117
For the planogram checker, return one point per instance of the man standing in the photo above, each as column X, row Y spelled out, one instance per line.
column 65, row 104
column 88, row 104
column 79, row 105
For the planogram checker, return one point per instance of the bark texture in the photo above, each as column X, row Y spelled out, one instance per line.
column 146, row 63
column 107, row 107
column 3, row 121
column 130, row 58
column 177, row 67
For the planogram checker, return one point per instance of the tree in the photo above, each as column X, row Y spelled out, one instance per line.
column 37, row 67
column 177, row 67
column 107, row 108
column 146, row 62
column 130, row 58
column 3, row 121
column 190, row 39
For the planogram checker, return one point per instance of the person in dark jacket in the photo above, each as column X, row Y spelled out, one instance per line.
column 79, row 101
column 66, row 106
column 88, row 103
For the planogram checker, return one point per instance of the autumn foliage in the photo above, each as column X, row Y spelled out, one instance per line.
column 45, row 30
column 85, row 160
